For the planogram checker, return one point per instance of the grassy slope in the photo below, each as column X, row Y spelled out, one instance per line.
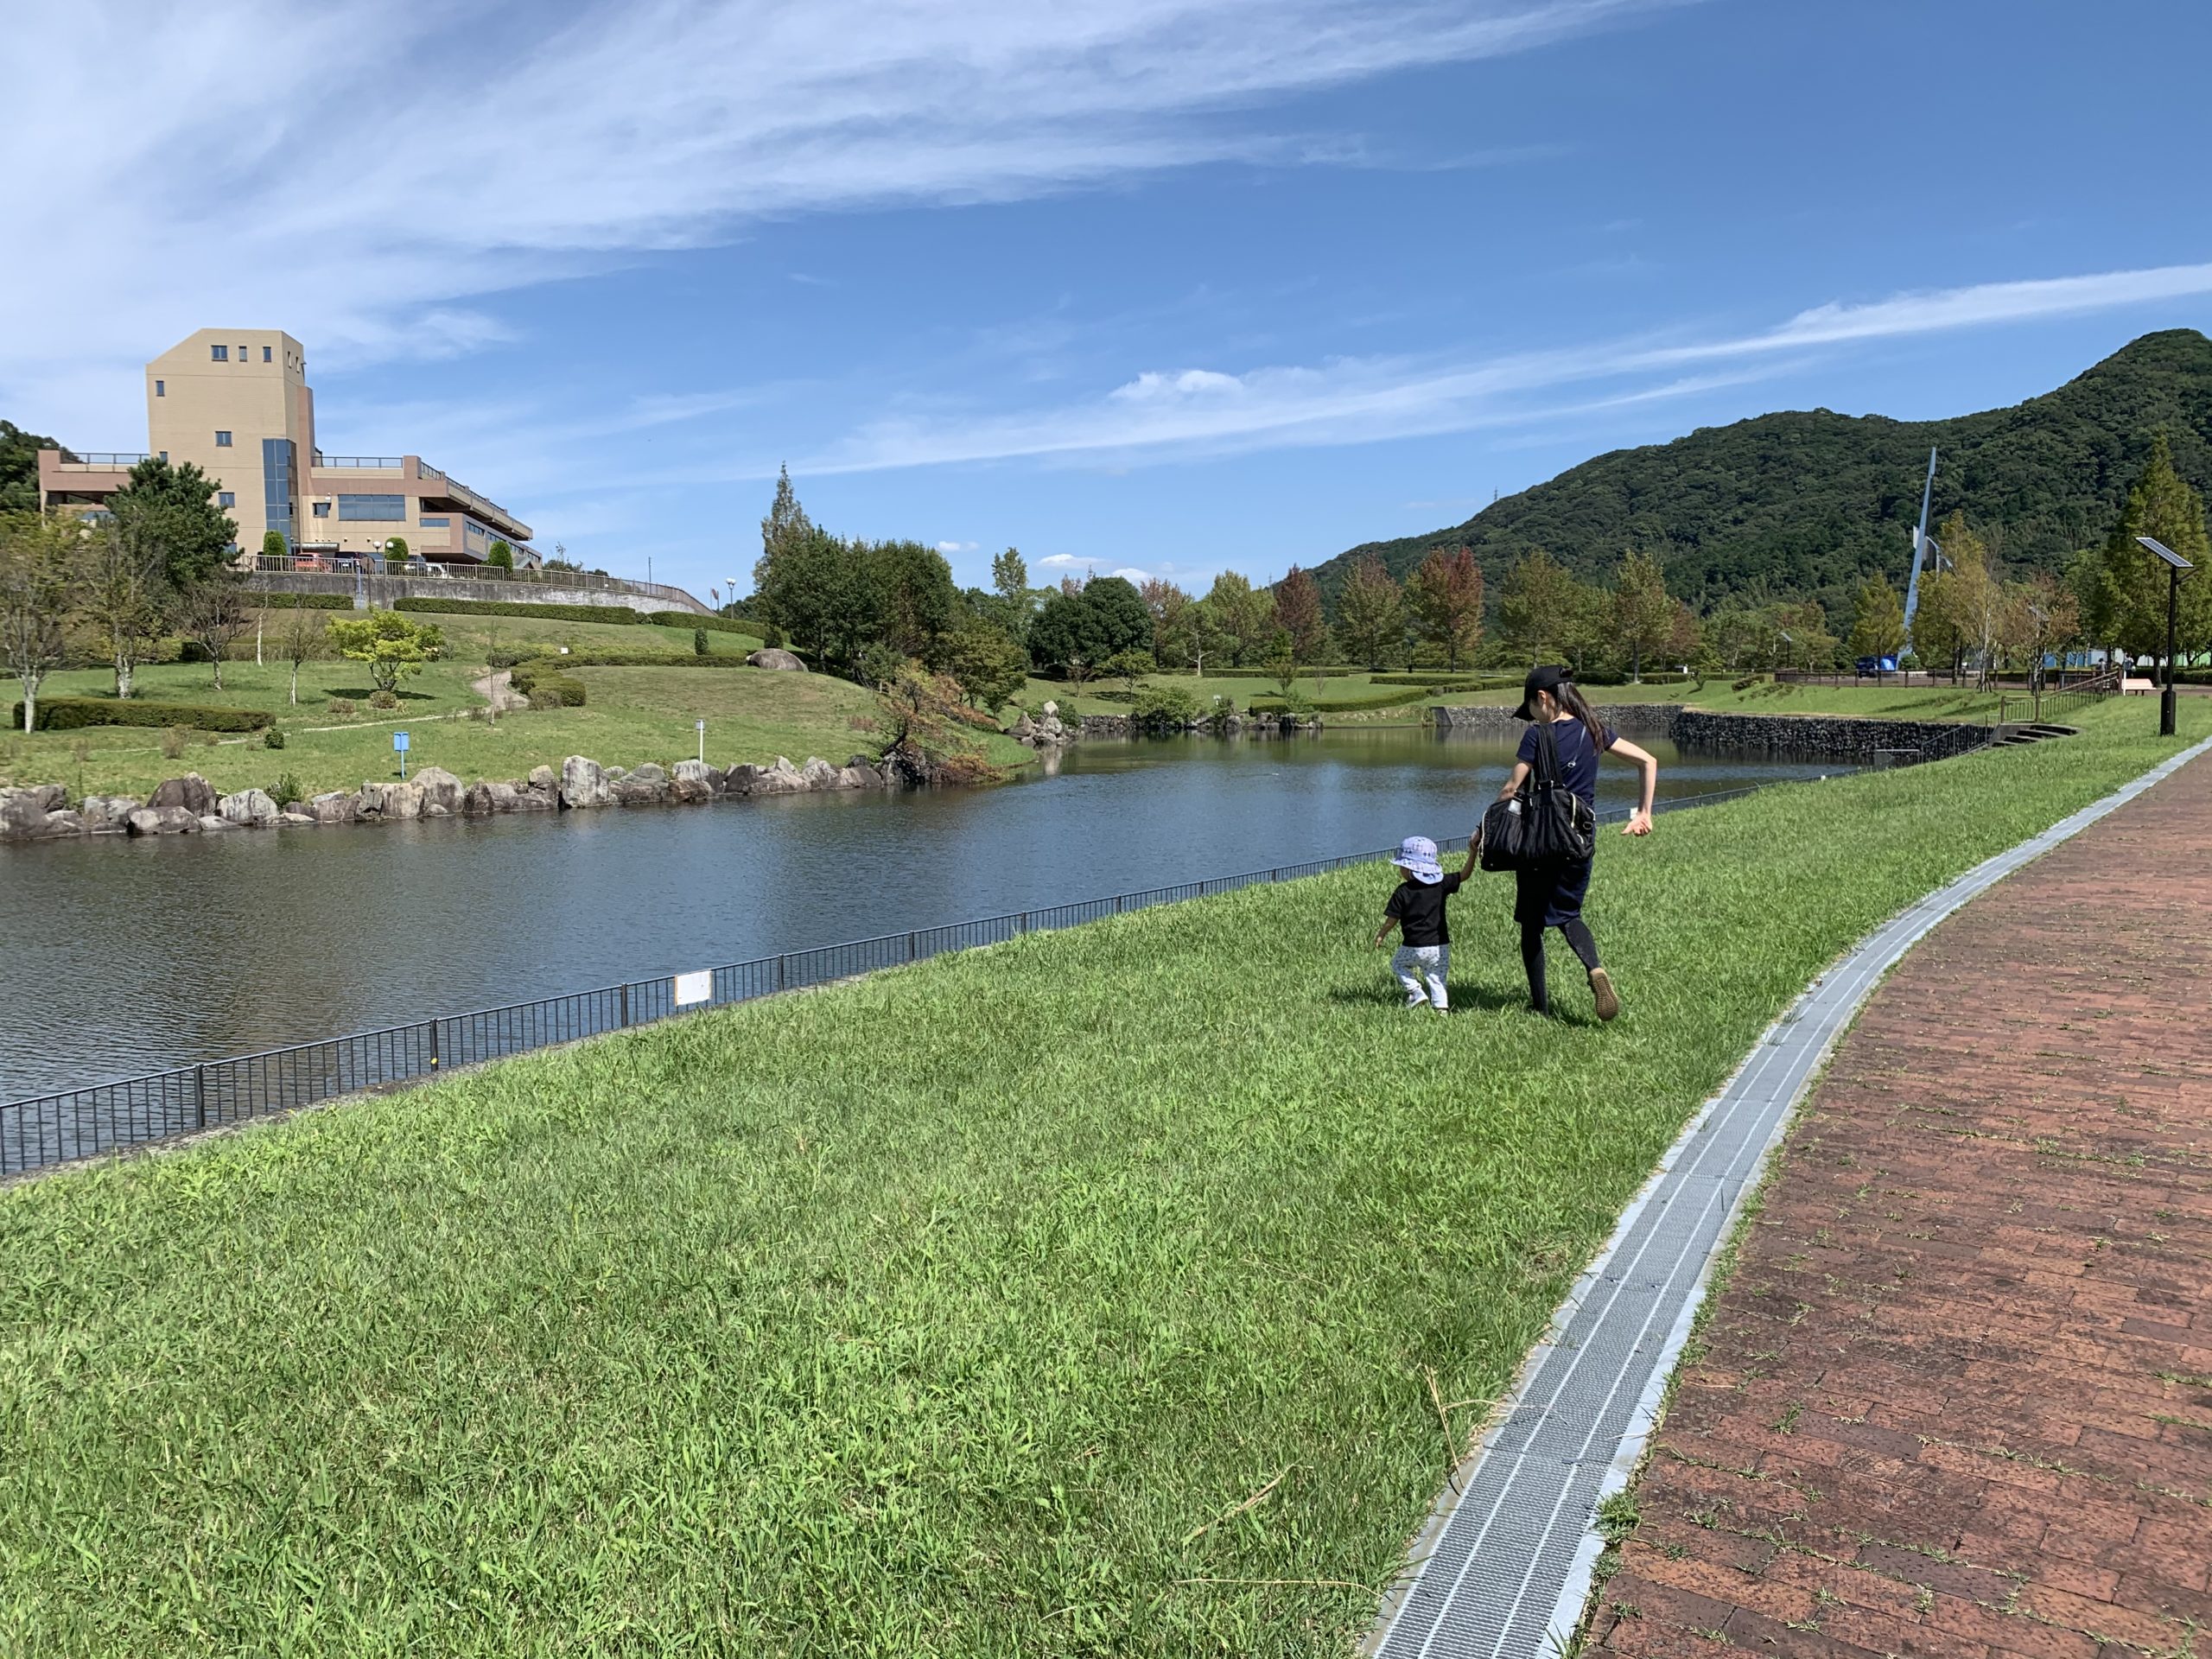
column 926, row 1315
column 634, row 715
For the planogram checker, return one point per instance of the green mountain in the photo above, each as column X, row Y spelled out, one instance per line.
column 1810, row 503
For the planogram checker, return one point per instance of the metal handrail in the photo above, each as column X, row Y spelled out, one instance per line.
column 72, row 1124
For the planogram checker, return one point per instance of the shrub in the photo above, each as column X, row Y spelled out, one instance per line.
column 712, row 624
column 276, row 599
column 70, row 714
column 547, row 696
column 287, row 790
column 381, row 699
column 617, row 614
column 500, row 555
column 530, row 678
column 172, row 742
column 593, row 657
column 342, row 707
column 396, row 550
column 1164, row 709
column 698, row 642
column 272, row 739
column 273, row 544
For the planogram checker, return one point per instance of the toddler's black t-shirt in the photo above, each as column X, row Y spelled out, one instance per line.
column 1419, row 910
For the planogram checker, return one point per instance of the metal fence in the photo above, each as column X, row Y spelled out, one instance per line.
column 76, row 1123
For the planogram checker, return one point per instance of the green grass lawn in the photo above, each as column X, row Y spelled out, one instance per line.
column 950, row 1312
column 633, row 715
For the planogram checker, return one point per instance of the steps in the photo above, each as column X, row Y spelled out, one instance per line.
column 2014, row 735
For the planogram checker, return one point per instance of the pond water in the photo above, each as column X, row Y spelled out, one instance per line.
column 121, row 958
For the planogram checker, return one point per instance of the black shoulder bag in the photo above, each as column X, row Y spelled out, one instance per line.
column 1542, row 823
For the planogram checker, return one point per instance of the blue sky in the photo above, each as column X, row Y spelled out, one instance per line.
column 1187, row 287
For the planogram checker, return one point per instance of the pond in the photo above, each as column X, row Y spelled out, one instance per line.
column 125, row 958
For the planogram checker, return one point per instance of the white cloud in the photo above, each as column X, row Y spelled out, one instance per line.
column 1060, row 561
column 363, row 219
column 1130, row 573
column 1178, row 414
column 955, row 547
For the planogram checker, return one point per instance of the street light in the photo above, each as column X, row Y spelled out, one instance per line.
column 2175, row 566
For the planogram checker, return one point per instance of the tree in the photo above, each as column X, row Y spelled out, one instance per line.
column 1297, row 614
column 1076, row 631
column 500, row 555
column 822, row 591
column 1246, row 617
column 37, row 583
column 392, row 646
column 915, row 596
column 990, row 667
column 1878, row 625
column 1010, row 575
column 1192, row 634
column 171, row 510
column 1370, row 614
column 2132, row 599
column 787, row 523
column 1445, row 596
column 19, row 466
column 1166, row 601
column 1939, row 625
column 300, row 641
column 211, row 614
column 1540, row 608
column 1130, row 666
column 1641, row 612
column 1685, row 637
column 125, row 595
column 274, row 546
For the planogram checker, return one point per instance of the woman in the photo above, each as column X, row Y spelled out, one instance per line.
column 1552, row 897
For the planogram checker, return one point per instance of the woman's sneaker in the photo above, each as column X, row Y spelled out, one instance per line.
column 1601, row 986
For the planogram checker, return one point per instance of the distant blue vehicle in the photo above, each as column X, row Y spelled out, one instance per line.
column 1876, row 665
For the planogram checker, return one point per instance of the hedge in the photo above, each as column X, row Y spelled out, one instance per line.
column 70, row 714
column 542, row 676
column 586, row 657
column 1391, row 699
column 279, row 600
column 618, row 615
column 712, row 624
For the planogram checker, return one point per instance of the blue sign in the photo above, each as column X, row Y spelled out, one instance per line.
column 399, row 741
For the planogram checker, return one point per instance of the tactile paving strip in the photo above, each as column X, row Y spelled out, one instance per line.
column 1504, row 1568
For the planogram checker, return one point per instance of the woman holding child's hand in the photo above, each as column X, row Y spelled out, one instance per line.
column 1552, row 897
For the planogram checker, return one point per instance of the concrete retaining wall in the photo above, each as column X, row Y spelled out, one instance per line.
column 1782, row 737
column 381, row 590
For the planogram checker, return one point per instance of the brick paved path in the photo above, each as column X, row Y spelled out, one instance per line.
column 1957, row 1397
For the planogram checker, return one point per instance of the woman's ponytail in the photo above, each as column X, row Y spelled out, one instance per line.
column 1570, row 698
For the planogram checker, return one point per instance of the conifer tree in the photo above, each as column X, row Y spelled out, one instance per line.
column 1370, row 614
column 2133, row 608
column 1642, row 614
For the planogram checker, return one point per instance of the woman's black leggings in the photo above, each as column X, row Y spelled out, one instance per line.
column 1532, row 955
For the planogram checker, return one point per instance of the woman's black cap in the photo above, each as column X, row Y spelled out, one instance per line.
column 1547, row 678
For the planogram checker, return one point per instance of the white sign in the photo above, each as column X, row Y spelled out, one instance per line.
column 695, row 987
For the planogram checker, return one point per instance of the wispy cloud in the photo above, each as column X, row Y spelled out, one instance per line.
column 1178, row 414
column 366, row 223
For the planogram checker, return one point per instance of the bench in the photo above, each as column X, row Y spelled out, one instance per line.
column 2135, row 688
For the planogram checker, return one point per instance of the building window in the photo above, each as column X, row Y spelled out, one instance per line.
column 220, row 353
column 322, row 509
column 222, row 440
column 165, row 455
column 161, row 388
column 243, row 350
column 264, row 354
column 429, row 522
column 390, row 508
column 226, row 497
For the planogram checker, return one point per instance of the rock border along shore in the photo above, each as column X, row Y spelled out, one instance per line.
column 189, row 804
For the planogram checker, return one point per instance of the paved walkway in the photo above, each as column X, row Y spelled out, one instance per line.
column 1957, row 1397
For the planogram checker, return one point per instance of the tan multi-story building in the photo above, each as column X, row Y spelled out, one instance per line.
column 236, row 402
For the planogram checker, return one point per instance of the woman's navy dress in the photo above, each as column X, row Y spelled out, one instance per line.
column 1552, row 896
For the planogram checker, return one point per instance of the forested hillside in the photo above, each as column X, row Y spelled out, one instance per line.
column 1811, row 502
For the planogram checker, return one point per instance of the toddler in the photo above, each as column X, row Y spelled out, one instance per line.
column 1416, row 909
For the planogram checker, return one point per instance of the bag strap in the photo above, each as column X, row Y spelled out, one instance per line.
column 1546, row 772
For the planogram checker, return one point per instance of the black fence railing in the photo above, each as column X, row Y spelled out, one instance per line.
column 77, row 1123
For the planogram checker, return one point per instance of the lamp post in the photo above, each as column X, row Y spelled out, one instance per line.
column 2176, row 565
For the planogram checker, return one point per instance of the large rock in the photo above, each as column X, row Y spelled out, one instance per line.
column 530, row 799
column 645, row 787
column 543, row 778
column 820, row 774
column 390, row 802
column 782, row 778
column 192, row 792
column 51, row 797
column 108, row 815
column 1022, row 730
column 22, row 818
column 336, row 807
column 583, row 782
column 780, row 660
column 740, row 780
column 249, row 808
column 293, row 819
column 694, row 782
column 63, row 822
column 441, row 792
column 162, row 821
column 212, row 822
column 859, row 778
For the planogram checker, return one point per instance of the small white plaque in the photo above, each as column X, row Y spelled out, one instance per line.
column 695, row 987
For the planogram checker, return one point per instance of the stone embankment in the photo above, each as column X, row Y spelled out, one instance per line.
column 1228, row 726
column 1782, row 737
column 189, row 804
